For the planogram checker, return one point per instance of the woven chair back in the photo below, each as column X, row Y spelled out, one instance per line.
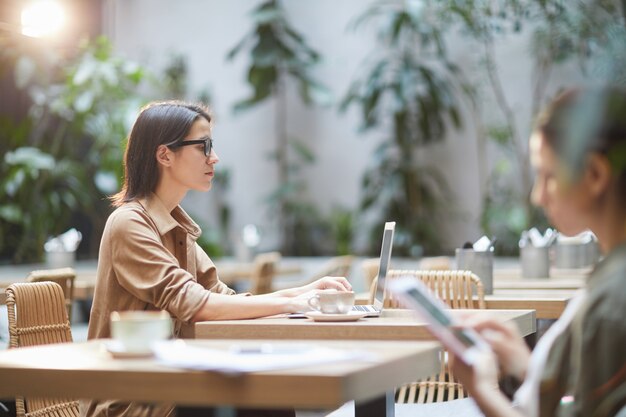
column 65, row 277
column 439, row 263
column 458, row 289
column 436, row 388
column 38, row 316
column 264, row 272
column 339, row 266
column 369, row 268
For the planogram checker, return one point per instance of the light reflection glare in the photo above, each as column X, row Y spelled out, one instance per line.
column 42, row 18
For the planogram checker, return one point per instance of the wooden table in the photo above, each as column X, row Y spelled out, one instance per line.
column 394, row 324
column 84, row 283
column 229, row 271
column 85, row 370
column 510, row 277
column 547, row 304
column 573, row 283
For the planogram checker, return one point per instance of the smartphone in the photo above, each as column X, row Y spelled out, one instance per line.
column 465, row 343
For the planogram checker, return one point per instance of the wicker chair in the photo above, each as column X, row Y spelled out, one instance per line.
column 440, row 263
column 370, row 270
column 37, row 316
column 65, row 277
column 338, row 266
column 436, row 388
column 457, row 289
column 264, row 272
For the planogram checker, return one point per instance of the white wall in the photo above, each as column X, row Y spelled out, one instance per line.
column 204, row 30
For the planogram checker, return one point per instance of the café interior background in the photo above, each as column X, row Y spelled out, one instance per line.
column 194, row 37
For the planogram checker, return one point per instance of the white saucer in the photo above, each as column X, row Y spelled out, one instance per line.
column 349, row 316
column 117, row 350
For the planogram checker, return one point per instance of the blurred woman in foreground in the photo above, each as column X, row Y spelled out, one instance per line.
column 578, row 368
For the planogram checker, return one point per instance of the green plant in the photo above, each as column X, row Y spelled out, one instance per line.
column 593, row 34
column 65, row 157
column 39, row 194
column 175, row 76
column 216, row 241
column 410, row 90
column 279, row 56
column 342, row 228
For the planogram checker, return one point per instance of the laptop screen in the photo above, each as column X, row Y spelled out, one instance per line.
column 383, row 267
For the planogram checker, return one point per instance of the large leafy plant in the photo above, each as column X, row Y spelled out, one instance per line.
column 409, row 91
column 39, row 193
column 590, row 33
column 280, row 58
column 61, row 161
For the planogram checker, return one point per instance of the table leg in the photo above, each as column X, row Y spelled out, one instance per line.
column 380, row 406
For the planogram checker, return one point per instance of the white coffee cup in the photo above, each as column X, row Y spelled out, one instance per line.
column 136, row 331
column 340, row 302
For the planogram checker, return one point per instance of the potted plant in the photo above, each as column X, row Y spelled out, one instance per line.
column 279, row 55
column 410, row 91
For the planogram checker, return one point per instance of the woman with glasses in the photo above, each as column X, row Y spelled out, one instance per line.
column 149, row 258
column 578, row 367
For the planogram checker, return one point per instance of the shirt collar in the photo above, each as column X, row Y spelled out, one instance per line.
column 605, row 267
column 166, row 221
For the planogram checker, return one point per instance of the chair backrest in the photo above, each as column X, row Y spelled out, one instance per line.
column 439, row 263
column 369, row 268
column 458, row 289
column 339, row 266
column 65, row 277
column 437, row 388
column 38, row 316
column 263, row 272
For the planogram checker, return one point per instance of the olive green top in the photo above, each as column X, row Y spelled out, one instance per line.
column 585, row 374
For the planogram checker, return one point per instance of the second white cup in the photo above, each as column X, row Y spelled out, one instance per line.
column 138, row 330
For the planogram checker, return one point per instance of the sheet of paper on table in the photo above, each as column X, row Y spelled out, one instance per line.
column 243, row 358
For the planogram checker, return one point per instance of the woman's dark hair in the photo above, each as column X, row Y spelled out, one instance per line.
column 160, row 123
column 582, row 121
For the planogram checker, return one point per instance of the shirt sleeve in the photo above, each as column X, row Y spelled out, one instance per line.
column 147, row 270
column 603, row 356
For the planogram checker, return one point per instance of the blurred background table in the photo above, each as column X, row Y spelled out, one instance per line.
column 230, row 272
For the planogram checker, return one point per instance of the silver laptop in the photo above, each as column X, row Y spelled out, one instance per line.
column 374, row 310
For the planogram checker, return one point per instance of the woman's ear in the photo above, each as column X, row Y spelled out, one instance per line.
column 598, row 174
column 163, row 155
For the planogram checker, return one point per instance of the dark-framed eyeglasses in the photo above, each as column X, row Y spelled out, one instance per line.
column 207, row 142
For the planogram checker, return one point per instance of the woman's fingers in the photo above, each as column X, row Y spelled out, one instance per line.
column 334, row 283
column 507, row 344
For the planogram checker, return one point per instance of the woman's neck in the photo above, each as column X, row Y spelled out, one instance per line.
column 169, row 194
column 610, row 228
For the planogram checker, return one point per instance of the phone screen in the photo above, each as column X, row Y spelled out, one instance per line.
column 441, row 317
column 433, row 310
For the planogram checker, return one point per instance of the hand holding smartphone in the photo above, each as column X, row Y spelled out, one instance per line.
column 465, row 343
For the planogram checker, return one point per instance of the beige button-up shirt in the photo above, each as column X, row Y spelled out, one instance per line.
column 149, row 260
